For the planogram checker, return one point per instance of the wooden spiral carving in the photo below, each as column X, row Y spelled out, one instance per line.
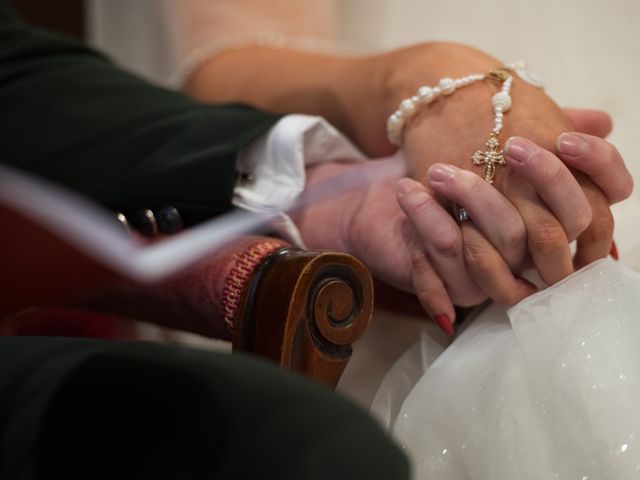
column 304, row 310
column 335, row 307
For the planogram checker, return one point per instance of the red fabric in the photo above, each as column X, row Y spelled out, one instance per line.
column 203, row 299
column 66, row 322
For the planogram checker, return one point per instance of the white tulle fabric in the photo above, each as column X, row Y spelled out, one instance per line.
column 548, row 390
column 165, row 39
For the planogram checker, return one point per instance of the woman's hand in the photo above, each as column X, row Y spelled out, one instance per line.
column 451, row 128
column 493, row 243
column 416, row 245
column 609, row 173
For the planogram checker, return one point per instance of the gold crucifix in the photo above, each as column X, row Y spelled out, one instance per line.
column 489, row 158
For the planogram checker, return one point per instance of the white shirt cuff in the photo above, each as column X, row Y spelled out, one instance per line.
column 272, row 168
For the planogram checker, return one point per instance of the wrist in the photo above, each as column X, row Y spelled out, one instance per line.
column 425, row 64
column 325, row 224
column 451, row 128
column 401, row 72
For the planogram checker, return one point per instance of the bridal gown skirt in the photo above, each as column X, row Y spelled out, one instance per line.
column 549, row 389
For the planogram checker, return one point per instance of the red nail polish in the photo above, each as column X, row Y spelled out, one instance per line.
column 614, row 250
column 445, row 324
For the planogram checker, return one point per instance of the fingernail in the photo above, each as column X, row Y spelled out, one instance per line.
column 614, row 251
column 572, row 145
column 404, row 186
column 519, row 149
column 441, row 173
column 445, row 324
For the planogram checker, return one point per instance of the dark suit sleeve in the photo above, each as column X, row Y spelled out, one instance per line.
column 70, row 115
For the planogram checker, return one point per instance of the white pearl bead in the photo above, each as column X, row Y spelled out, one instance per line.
column 394, row 140
column 425, row 94
column 394, row 133
column 447, row 85
column 436, row 91
column 502, row 100
column 407, row 107
column 396, row 119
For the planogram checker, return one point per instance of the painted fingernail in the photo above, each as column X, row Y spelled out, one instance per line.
column 519, row 149
column 441, row 173
column 614, row 250
column 572, row 145
column 404, row 186
column 445, row 324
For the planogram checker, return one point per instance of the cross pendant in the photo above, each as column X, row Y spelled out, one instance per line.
column 489, row 158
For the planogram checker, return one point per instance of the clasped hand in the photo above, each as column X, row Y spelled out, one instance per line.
column 405, row 232
column 555, row 188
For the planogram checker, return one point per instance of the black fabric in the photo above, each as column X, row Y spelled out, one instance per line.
column 70, row 115
column 88, row 409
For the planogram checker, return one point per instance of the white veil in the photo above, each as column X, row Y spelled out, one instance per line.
column 164, row 39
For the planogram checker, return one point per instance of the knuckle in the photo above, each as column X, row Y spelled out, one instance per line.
column 582, row 218
column 556, row 173
column 447, row 243
column 515, row 237
column 476, row 257
column 428, row 295
column 547, row 236
column 420, row 203
column 601, row 228
column 471, row 185
column 425, row 294
column 535, row 163
column 552, row 172
column 418, row 258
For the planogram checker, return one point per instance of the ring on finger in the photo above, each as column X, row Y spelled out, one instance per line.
column 462, row 215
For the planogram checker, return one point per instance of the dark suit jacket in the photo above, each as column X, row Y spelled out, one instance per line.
column 69, row 114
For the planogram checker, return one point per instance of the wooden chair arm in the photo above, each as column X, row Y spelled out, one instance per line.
column 304, row 309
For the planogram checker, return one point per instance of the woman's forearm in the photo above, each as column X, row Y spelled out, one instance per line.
column 341, row 89
column 357, row 94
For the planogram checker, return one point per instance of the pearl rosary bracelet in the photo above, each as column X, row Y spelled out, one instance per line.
column 492, row 156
